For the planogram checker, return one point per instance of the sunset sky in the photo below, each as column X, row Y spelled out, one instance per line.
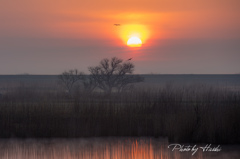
column 178, row 36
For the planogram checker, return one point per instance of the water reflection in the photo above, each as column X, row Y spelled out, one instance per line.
column 102, row 148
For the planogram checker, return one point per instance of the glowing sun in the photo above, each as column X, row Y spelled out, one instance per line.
column 134, row 35
column 134, row 42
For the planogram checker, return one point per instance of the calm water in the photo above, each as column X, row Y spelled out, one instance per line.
column 104, row 148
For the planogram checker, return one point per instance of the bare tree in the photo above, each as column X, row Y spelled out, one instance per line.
column 69, row 78
column 113, row 73
column 89, row 84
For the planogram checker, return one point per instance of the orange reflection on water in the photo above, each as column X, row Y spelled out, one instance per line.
column 99, row 148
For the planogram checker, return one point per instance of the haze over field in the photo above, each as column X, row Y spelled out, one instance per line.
column 178, row 37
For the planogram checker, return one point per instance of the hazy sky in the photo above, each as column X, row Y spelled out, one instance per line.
column 179, row 36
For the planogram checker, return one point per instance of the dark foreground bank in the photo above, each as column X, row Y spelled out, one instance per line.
column 194, row 113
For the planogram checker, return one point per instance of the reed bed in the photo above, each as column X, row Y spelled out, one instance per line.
column 193, row 113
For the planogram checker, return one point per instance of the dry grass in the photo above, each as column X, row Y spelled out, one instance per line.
column 194, row 113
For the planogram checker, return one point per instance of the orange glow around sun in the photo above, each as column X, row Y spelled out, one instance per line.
column 134, row 35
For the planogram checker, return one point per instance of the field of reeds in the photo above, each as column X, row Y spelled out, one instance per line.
column 187, row 113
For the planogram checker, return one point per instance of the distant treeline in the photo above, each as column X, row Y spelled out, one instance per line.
column 194, row 113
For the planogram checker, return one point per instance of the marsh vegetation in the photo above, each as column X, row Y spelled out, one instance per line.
column 183, row 113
